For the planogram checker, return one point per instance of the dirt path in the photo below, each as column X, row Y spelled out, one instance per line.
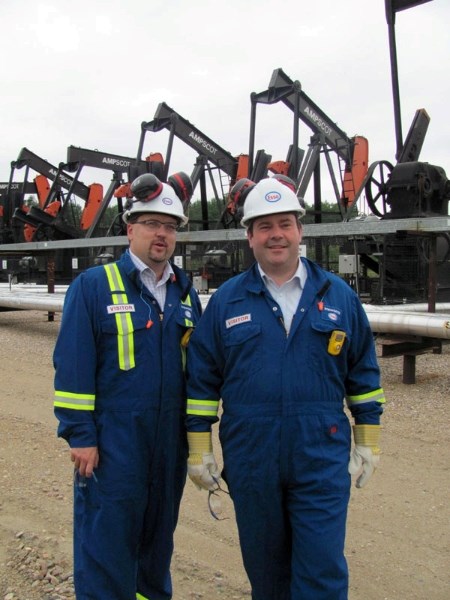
column 398, row 531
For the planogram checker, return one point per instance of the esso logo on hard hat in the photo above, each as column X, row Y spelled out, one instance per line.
column 273, row 196
column 167, row 201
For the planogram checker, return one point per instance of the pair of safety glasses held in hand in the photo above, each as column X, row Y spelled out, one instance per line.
column 80, row 481
column 215, row 502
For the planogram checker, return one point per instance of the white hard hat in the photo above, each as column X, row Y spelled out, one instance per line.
column 153, row 196
column 270, row 196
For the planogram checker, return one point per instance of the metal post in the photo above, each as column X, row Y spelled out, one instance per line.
column 432, row 274
column 409, row 368
column 51, row 280
column 251, row 143
column 295, row 151
column 390, row 18
column 204, row 202
column 318, row 211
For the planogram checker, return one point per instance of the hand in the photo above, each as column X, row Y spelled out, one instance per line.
column 85, row 460
column 366, row 454
column 202, row 467
column 364, row 461
column 205, row 474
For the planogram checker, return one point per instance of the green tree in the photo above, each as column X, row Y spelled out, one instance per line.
column 329, row 213
column 214, row 208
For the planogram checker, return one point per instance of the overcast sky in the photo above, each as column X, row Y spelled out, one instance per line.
column 87, row 73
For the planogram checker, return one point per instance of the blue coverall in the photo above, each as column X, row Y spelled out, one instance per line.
column 125, row 517
column 284, row 434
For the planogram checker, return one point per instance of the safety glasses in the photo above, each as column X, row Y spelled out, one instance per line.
column 155, row 225
column 80, row 481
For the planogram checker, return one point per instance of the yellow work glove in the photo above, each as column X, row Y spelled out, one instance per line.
column 365, row 456
column 202, row 467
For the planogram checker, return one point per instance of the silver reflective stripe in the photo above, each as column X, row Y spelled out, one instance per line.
column 74, row 401
column 187, row 302
column 125, row 337
column 373, row 396
column 208, row 408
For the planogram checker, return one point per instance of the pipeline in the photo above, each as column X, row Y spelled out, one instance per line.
column 383, row 319
column 32, row 301
column 399, row 321
column 32, row 297
column 420, row 307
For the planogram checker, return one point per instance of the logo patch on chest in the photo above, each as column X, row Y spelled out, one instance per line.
column 333, row 314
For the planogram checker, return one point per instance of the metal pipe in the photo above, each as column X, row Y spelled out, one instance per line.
column 30, row 301
column 419, row 307
column 390, row 18
column 382, row 319
column 390, row 321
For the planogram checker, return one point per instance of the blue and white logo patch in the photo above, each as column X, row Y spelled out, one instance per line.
column 272, row 197
column 333, row 314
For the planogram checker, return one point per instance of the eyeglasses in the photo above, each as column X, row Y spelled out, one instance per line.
column 214, row 502
column 154, row 225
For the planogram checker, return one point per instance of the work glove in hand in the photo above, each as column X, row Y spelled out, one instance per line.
column 202, row 467
column 365, row 456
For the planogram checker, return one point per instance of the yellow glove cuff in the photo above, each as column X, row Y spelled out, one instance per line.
column 199, row 443
column 367, row 435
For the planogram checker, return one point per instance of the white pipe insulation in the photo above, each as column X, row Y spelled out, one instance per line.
column 395, row 320
column 421, row 307
column 399, row 319
column 32, row 301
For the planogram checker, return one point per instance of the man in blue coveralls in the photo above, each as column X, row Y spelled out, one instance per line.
column 120, row 400
column 282, row 345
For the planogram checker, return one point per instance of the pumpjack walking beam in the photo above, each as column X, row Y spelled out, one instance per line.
column 43, row 215
column 391, row 8
column 122, row 167
column 208, row 153
column 327, row 136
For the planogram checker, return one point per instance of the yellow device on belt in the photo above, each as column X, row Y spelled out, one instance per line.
column 185, row 339
column 336, row 342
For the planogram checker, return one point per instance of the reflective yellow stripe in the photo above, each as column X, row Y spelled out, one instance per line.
column 188, row 323
column 373, row 396
column 125, row 329
column 206, row 408
column 74, row 401
column 187, row 302
column 141, row 597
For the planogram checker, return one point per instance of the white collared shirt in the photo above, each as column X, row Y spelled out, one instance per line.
column 148, row 277
column 288, row 294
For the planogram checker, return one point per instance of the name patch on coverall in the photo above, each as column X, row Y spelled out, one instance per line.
column 120, row 308
column 236, row 320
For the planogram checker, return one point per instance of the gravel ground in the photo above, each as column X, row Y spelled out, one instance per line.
column 398, row 527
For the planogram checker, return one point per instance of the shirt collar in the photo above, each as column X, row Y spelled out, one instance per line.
column 300, row 275
column 141, row 267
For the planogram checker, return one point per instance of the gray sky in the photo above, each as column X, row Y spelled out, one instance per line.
column 87, row 73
